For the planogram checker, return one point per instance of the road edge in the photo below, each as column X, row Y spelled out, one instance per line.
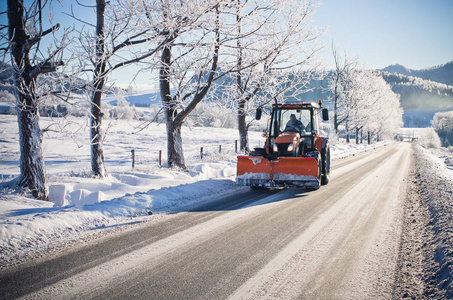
column 424, row 265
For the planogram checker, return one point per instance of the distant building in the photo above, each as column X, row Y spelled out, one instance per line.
column 7, row 108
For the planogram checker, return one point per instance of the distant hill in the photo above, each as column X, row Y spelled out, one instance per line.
column 442, row 74
column 423, row 92
column 420, row 93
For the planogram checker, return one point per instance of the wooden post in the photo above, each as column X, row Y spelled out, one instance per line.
column 220, row 148
column 133, row 158
column 160, row 157
column 201, row 152
column 369, row 138
column 236, row 146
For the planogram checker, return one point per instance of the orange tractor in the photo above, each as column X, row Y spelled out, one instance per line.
column 294, row 154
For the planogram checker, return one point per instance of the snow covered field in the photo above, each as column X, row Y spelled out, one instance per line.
column 81, row 206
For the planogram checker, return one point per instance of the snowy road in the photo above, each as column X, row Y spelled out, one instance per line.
column 339, row 242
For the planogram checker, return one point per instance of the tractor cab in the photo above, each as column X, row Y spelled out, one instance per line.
column 293, row 129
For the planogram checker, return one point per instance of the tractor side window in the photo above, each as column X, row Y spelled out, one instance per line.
column 276, row 123
column 305, row 117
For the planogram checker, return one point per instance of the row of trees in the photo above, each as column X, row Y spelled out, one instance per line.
column 362, row 99
column 186, row 46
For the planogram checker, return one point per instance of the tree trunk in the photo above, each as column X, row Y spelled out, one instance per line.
column 347, row 132
column 97, row 152
column 335, row 108
column 357, row 135
column 32, row 169
column 175, row 154
column 242, row 126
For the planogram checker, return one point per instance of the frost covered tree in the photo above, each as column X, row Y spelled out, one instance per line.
column 443, row 124
column 373, row 106
column 271, row 41
column 344, row 67
column 363, row 100
column 25, row 33
column 188, row 64
column 121, row 31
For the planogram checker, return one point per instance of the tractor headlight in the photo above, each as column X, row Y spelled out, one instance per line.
column 275, row 148
column 290, row 147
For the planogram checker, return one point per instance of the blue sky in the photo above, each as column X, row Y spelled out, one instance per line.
column 414, row 33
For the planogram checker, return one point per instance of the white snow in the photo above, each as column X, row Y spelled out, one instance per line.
column 80, row 205
column 282, row 176
column 255, row 160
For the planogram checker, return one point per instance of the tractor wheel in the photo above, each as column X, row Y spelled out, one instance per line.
column 319, row 170
column 325, row 156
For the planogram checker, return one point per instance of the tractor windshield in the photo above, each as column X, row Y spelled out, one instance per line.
column 299, row 120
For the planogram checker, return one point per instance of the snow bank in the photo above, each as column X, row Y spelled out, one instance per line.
column 435, row 183
column 426, row 264
column 29, row 225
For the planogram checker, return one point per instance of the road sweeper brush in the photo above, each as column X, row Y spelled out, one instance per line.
column 294, row 154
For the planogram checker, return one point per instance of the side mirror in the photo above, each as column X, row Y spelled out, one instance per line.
column 259, row 111
column 325, row 114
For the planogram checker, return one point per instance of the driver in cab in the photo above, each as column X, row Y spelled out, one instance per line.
column 294, row 124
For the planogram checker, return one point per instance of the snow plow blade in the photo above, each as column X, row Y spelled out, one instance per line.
column 257, row 171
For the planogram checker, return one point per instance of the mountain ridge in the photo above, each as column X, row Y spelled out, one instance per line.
column 441, row 73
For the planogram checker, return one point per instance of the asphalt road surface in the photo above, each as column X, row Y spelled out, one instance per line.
column 338, row 242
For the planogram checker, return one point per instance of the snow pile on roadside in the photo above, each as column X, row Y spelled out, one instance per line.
column 428, row 242
column 437, row 182
column 29, row 225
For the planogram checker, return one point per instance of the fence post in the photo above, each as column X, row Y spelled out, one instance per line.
column 160, row 157
column 220, row 148
column 201, row 152
column 133, row 158
column 236, row 146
